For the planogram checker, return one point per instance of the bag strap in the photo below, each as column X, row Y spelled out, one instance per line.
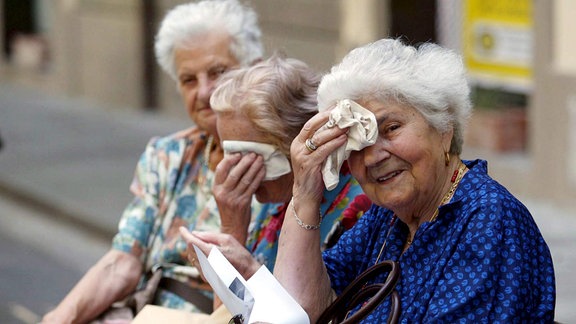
column 191, row 295
column 358, row 291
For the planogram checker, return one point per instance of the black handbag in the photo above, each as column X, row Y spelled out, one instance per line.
column 369, row 295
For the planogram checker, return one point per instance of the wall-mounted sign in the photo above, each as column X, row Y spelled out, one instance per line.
column 498, row 41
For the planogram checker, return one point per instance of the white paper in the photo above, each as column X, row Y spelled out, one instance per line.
column 264, row 299
column 273, row 303
column 222, row 280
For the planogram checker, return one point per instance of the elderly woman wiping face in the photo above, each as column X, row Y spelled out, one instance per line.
column 464, row 245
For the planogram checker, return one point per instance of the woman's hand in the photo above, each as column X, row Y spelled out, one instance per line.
column 307, row 163
column 234, row 252
column 236, row 180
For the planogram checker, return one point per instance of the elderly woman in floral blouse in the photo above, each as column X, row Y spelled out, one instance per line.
column 196, row 43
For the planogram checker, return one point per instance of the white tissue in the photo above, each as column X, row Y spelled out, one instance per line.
column 276, row 162
column 363, row 131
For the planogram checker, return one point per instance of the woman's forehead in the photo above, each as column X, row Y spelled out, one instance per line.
column 387, row 107
column 237, row 126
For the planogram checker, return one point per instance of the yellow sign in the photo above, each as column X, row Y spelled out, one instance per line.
column 498, row 40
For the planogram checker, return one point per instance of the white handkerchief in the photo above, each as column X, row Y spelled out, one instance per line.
column 276, row 162
column 363, row 131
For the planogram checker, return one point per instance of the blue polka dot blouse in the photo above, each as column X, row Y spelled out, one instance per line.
column 482, row 261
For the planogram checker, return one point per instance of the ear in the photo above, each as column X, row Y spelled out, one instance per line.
column 447, row 139
column 258, row 60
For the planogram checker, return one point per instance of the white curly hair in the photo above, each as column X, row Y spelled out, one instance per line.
column 429, row 78
column 195, row 18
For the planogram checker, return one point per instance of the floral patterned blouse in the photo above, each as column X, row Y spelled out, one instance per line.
column 340, row 209
column 171, row 188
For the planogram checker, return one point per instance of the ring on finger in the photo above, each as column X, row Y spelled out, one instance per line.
column 310, row 145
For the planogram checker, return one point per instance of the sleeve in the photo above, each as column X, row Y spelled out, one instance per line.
column 342, row 207
column 500, row 272
column 138, row 219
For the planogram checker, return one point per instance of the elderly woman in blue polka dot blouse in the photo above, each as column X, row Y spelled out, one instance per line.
column 467, row 250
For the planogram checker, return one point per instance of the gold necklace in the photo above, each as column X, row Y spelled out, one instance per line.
column 205, row 167
column 456, row 177
column 208, row 149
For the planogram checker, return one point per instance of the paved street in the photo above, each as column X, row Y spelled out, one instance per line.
column 70, row 162
column 40, row 260
column 71, row 155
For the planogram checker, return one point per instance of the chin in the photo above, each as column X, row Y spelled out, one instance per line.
column 262, row 198
column 380, row 197
column 205, row 121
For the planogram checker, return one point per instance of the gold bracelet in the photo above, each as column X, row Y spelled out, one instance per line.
column 301, row 223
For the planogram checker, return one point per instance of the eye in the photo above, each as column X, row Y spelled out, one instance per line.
column 217, row 71
column 188, row 80
column 390, row 128
column 393, row 127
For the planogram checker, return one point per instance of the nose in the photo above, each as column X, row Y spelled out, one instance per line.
column 205, row 88
column 375, row 154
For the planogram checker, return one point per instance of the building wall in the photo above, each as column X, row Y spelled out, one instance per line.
column 96, row 48
column 553, row 140
column 304, row 29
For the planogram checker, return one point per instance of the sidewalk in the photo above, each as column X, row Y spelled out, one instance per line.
column 71, row 156
column 76, row 160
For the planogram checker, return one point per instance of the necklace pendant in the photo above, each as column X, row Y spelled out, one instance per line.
column 455, row 175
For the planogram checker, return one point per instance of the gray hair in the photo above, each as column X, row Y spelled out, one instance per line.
column 196, row 18
column 429, row 78
column 277, row 95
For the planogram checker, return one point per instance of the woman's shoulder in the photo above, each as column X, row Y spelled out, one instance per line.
column 480, row 185
column 488, row 199
column 182, row 137
column 169, row 151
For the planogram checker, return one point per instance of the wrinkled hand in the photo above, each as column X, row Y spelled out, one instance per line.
column 234, row 252
column 307, row 165
column 236, row 179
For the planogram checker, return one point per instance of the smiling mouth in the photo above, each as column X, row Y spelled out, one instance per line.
column 388, row 176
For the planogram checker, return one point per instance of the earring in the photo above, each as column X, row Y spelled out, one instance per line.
column 446, row 158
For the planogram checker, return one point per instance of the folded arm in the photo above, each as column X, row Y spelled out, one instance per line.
column 112, row 278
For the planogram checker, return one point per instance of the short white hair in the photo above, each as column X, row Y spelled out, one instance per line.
column 429, row 78
column 277, row 95
column 185, row 21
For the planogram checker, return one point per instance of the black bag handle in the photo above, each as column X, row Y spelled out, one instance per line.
column 357, row 292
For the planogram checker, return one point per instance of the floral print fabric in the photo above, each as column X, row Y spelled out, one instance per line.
column 337, row 217
column 171, row 188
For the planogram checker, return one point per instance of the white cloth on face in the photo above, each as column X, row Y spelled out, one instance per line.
column 363, row 131
column 276, row 162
